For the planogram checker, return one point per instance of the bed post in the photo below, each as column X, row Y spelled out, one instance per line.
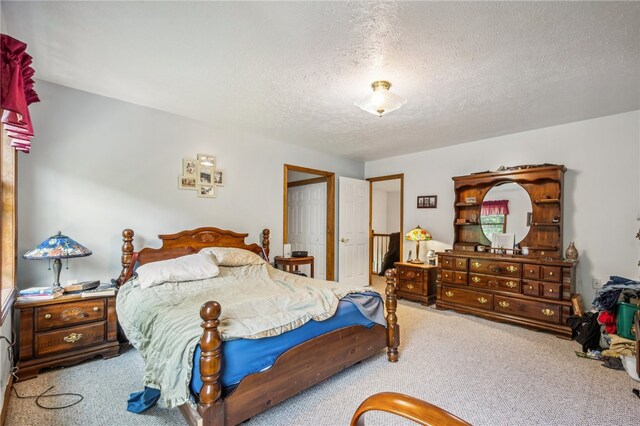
column 393, row 331
column 211, row 406
column 265, row 243
column 127, row 252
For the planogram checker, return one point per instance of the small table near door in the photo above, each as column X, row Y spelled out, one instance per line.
column 290, row 264
column 416, row 281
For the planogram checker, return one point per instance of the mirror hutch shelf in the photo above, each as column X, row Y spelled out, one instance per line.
column 531, row 287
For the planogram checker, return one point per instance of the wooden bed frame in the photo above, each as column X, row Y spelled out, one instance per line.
column 295, row 370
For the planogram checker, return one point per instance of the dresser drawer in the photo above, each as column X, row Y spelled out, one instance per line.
column 460, row 263
column 460, row 277
column 551, row 273
column 531, row 271
column 531, row 288
column 528, row 308
column 496, row 283
column 70, row 338
column 447, row 276
column 66, row 314
column 413, row 274
column 552, row 290
column 410, row 287
column 475, row 299
column 486, row 266
column 446, row 262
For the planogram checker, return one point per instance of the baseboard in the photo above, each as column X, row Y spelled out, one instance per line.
column 5, row 400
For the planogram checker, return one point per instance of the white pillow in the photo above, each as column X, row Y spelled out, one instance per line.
column 185, row 268
column 229, row 256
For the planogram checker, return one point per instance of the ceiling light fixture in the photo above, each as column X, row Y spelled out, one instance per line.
column 381, row 101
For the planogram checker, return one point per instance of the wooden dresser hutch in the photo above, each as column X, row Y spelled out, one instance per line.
column 531, row 290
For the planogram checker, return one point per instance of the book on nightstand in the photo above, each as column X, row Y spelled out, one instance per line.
column 39, row 293
column 80, row 287
column 101, row 290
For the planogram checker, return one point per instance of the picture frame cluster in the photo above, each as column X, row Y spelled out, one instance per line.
column 201, row 175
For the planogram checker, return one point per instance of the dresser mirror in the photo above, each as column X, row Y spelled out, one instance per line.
column 506, row 208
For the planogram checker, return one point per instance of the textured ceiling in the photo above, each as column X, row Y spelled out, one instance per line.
column 292, row 70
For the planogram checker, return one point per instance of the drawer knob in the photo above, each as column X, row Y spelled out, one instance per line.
column 503, row 304
column 512, row 268
column 410, row 286
column 530, row 287
column 72, row 338
column 47, row 316
column 476, row 279
column 550, row 290
column 476, row 264
column 510, row 284
column 96, row 309
column 482, row 300
column 448, row 293
column 550, row 274
column 494, row 268
column 531, row 271
column 547, row 312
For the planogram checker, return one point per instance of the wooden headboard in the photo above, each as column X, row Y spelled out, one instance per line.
column 183, row 243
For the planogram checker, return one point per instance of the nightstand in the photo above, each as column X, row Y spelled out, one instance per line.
column 416, row 281
column 291, row 264
column 64, row 331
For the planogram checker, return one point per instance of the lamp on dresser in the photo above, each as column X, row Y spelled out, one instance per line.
column 417, row 234
column 57, row 247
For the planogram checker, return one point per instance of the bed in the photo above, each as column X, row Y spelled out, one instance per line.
column 296, row 369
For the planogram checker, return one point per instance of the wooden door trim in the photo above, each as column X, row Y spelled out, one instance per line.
column 380, row 179
column 330, row 179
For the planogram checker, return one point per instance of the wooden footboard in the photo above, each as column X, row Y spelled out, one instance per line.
column 297, row 369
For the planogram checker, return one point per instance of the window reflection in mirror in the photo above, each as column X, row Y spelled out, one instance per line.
column 506, row 209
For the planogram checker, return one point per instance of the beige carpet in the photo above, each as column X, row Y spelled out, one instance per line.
column 485, row 372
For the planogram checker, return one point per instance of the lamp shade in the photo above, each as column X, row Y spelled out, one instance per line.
column 57, row 247
column 418, row 234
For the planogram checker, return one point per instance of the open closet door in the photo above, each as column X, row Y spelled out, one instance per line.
column 353, row 264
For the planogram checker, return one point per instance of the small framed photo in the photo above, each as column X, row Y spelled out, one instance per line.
column 187, row 182
column 207, row 191
column 205, row 175
column 207, row 160
column 189, row 167
column 219, row 177
column 427, row 201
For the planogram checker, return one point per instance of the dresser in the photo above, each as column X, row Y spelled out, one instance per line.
column 64, row 331
column 416, row 281
column 527, row 291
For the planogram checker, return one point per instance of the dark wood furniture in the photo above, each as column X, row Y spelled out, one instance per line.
column 290, row 264
column 297, row 369
column 543, row 184
column 416, row 282
column 637, row 322
column 65, row 331
column 534, row 290
column 411, row 408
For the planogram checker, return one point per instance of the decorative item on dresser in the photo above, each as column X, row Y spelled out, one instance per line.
column 532, row 290
column 64, row 331
column 416, row 282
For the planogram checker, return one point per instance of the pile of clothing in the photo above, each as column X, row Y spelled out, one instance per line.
column 597, row 331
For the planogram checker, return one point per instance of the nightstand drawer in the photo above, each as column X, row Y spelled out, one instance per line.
column 66, row 314
column 70, row 338
column 411, row 274
column 410, row 287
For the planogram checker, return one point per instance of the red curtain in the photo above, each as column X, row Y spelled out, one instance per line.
column 16, row 91
column 495, row 207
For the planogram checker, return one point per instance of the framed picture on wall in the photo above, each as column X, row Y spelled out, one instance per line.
column 219, row 177
column 205, row 175
column 189, row 167
column 207, row 191
column 187, row 182
column 427, row 201
column 206, row 160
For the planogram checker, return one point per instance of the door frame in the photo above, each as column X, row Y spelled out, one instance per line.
column 330, row 179
column 380, row 179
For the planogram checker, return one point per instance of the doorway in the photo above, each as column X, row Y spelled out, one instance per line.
column 386, row 222
column 309, row 216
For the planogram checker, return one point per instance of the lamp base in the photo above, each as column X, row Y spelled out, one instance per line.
column 57, row 267
column 417, row 261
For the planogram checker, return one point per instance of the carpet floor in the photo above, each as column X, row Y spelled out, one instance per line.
column 484, row 372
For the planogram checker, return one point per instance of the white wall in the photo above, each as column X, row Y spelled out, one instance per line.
column 99, row 165
column 393, row 211
column 602, row 198
column 379, row 211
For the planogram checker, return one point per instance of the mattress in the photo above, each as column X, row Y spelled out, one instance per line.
column 242, row 357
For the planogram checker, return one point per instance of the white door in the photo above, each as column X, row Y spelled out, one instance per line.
column 307, row 224
column 353, row 266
